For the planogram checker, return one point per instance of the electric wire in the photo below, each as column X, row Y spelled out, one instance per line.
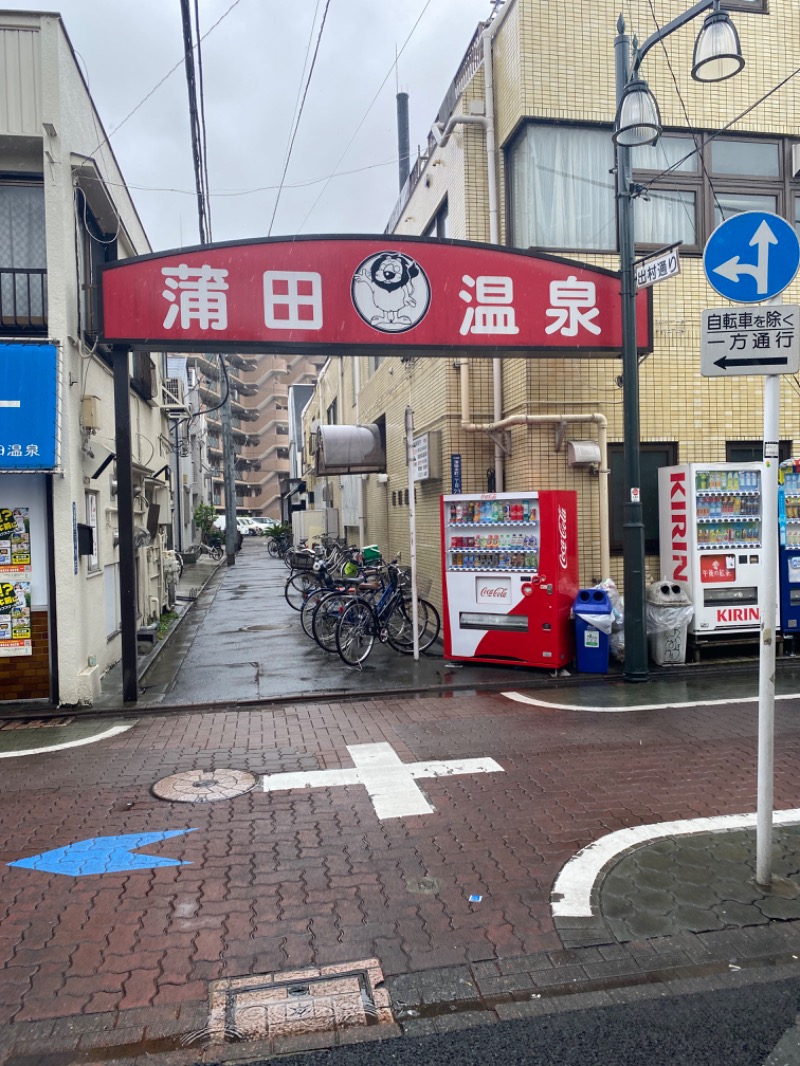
column 202, row 115
column 299, row 104
column 366, row 114
column 158, row 85
column 692, row 132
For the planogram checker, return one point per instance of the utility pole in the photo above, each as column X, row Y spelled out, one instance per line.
column 228, row 471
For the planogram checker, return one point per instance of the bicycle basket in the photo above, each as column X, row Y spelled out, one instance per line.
column 302, row 560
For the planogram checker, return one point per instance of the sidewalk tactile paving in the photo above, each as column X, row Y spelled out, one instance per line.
column 204, row 786
column 294, row 1003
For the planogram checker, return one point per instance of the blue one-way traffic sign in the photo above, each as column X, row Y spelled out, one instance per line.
column 752, row 257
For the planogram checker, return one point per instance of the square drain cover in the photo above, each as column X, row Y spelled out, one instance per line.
column 298, row 1002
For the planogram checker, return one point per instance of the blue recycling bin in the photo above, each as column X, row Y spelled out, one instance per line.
column 591, row 644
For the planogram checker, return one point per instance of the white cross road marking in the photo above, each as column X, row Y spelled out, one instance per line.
column 10, row 403
column 389, row 782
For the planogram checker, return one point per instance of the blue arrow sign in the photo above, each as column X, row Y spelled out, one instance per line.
column 752, row 257
column 103, row 855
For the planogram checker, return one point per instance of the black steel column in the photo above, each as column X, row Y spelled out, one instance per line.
column 127, row 554
column 635, row 666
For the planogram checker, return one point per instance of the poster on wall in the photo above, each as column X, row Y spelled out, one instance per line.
column 15, row 618
column 15, row 593
column 15, row 541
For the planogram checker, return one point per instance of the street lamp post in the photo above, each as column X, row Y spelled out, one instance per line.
column 717, row 56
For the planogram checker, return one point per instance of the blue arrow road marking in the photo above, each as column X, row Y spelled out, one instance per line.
column 103, row 855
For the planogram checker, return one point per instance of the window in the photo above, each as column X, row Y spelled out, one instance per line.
column 95, row 249
column 23, row 258
column 752, row 451
column 91, row 520
column 373, row 362
column 745, row 5
column 652, row 456
column 689, row 188
column 331, row 414
column 438, row 226
column 562, row 189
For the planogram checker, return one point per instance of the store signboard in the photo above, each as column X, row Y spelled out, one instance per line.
column 361, row 295
column 28, row 403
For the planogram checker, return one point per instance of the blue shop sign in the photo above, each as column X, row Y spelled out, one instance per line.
column 455, row 473
column 28, row 396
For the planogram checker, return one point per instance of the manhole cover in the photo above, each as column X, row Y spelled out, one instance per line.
column 204, row 786
column 298, row 1002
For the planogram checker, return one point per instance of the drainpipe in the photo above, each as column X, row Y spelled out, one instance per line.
column 442, row 135
column 362, row 488
column 599, row 420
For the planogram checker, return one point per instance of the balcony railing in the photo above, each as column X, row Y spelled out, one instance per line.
column 23, row 301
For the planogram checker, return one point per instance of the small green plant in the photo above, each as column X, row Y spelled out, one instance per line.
column 280, row 530
column 204, row 515
column 164, row 622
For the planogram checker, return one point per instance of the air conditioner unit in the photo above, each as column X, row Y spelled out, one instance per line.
column 172, row 395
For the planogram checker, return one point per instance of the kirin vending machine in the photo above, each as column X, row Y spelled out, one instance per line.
column 510, row 576
column 789, row 546
column 710, row 521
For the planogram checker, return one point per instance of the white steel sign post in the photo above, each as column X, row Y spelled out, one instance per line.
column 754, row 256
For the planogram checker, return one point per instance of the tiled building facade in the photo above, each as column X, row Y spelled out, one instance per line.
column 554, row 102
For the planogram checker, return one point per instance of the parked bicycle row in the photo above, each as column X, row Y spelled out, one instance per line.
column 347, row 604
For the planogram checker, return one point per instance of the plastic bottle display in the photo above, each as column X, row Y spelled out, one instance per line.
column 513, row 546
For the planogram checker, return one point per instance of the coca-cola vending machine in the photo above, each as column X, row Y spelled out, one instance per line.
column 510, row 577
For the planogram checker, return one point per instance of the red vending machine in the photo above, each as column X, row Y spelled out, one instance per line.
column 510, row 577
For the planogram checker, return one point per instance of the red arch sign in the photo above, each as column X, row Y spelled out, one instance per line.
column 352, row 294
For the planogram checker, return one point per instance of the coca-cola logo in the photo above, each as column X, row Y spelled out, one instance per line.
column 562, row 537
column 493, row 593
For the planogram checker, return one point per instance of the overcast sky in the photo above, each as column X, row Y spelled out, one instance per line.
column 253, row 66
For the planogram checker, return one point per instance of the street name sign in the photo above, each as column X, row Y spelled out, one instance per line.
column 757, row 339
column 657, row 268
column 752, row 256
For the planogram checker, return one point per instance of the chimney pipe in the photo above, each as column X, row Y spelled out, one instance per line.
column 403, row 149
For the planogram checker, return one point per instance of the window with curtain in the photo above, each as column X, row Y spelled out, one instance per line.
column 23, row 257
column 562, row 188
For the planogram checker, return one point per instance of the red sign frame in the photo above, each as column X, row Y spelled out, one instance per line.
column 367, row 295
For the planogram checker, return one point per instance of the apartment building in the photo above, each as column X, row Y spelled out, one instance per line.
column 65, row 211
column 521, row 154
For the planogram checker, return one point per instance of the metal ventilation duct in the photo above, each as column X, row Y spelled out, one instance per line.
column 350, row 450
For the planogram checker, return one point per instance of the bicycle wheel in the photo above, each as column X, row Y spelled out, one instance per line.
column 215, row 552
column 400, row 631
column 355, row 633
column 326, row 619
column 309, row 608
column 298, row 587
column 273, row 548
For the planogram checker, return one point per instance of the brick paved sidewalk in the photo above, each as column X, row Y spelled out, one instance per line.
column 455, row 905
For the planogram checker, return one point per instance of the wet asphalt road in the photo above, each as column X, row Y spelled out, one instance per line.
column 749, row 1026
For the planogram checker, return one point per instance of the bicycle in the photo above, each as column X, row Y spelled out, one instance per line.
column 214, row 550
column 388, row 621
column 313, row 570
column 279, row 544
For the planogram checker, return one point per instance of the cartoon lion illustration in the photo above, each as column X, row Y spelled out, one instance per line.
column 390, row 278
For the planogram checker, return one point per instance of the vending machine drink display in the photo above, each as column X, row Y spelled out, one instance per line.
column 789, row 550
column 510, row 576
column 710, row 525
